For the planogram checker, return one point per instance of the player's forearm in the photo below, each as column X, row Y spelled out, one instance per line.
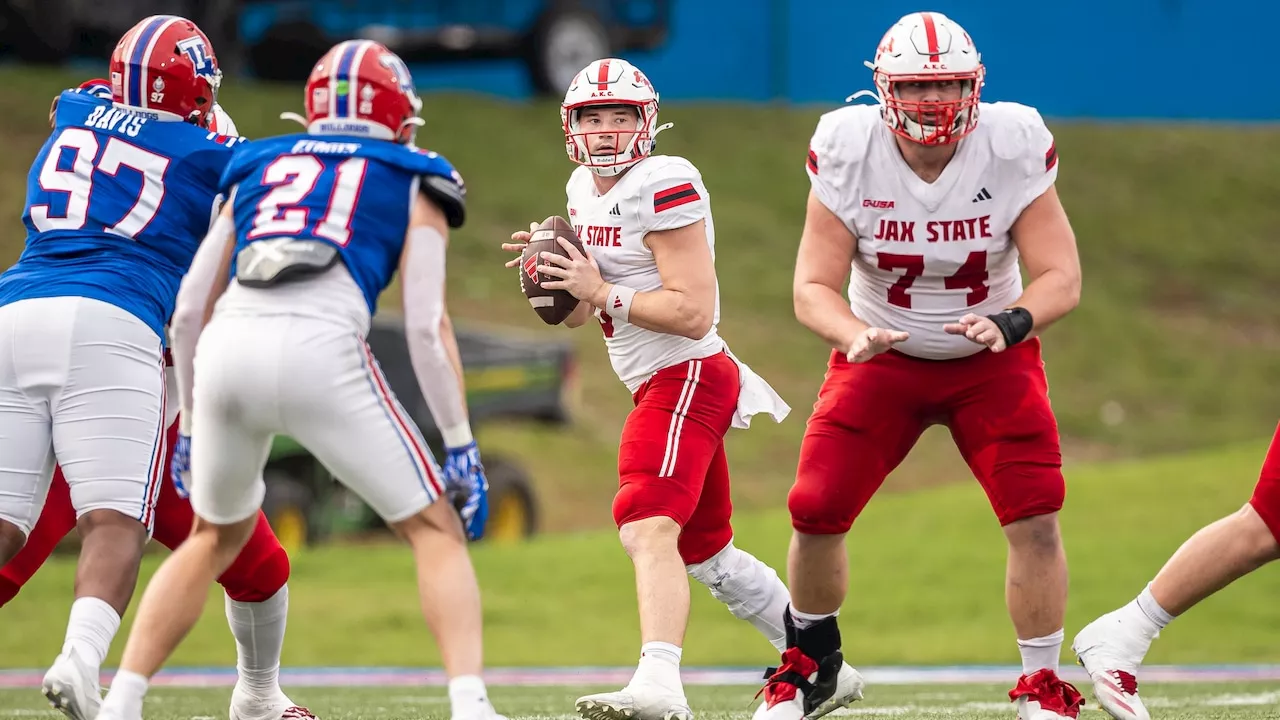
column 1050, row 297
column 450, row 341
column 441, row 386
column 200, row 288
column 429, row 332
column 827, row 314
column 666, row 311
column 579, row 316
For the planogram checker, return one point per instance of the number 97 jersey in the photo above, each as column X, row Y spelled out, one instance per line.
column 117, row 204
column 353, row 193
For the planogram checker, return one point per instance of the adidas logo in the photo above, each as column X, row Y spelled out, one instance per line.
column 982, row 195
column 615, row 210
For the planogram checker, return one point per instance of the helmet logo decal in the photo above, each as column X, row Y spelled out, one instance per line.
column 195, row 49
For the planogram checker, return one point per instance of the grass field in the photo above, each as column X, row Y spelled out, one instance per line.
column 1174, row 345
column 926, row 586
column 1244, row 701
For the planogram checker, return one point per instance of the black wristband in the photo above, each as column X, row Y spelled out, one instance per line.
column 1015, row 324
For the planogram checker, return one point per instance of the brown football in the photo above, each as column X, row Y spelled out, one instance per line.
column 553, row 306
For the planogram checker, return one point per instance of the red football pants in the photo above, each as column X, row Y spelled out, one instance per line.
column 868, row 417
column 1266, row 494
column 671, row 460
column 261, row 569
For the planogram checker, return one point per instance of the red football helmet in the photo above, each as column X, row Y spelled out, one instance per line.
column 166, row 64
column 360, row 87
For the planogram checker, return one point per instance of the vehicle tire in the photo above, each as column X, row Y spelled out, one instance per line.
column 563, row 42
column 288, row 505
column 513, row 509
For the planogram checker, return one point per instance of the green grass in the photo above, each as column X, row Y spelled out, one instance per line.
column 1176, row 227
column 1172, row 702
column 926, row 586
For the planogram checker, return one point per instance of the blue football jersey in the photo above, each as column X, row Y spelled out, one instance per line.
column 350, row 192
column 117, row 204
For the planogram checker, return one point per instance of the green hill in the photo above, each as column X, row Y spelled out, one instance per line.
column 1176, row 343
column 926, row 585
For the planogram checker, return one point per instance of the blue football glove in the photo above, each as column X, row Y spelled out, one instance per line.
column 467, row 487
column 180, row 467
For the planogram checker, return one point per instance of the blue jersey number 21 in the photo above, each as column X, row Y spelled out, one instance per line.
column 291, row 179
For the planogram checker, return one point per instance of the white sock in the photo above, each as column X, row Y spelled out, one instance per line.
column 124, row 699
column 1146, row 602
column 467, row 695
column 749, row 588
column 259, row 632
column 660, row 665
column 90, row 629
column 804, row 620
column 1039, row 653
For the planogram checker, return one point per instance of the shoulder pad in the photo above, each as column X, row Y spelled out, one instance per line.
column 842, row 135
column 440, row 182
column 671, row 194
column 451, row 196
column 1016, row 130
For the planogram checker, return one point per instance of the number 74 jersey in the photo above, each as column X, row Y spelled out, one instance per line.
column 929, row 253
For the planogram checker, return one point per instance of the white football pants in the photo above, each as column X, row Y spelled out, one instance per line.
column 317, row 382
column 82, row 382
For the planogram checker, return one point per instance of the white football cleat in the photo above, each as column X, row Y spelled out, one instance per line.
column 71, row 686
column 640, row 702
column 1042, row 695
column 1109, row 651
column 849, row 684
column 484, row 711
column 247, row 706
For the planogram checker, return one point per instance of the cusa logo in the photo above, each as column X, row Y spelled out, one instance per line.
column 878, row 204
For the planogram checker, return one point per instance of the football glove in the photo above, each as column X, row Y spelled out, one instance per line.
column 467, row 487
column 180, row 466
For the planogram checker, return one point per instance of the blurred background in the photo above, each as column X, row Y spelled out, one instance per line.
column 1166, row 380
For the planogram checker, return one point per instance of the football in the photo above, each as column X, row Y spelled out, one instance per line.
column 553, row 306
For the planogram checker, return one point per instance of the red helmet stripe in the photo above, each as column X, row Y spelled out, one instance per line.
column 151, row 42
column 931, row 36
column 602, row 79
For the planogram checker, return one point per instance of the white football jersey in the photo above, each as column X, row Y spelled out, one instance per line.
column 661, row 192
column 928, row 253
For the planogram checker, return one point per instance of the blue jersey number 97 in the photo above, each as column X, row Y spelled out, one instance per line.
column 77, row 182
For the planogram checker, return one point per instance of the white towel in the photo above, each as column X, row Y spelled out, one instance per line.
column 756, row 396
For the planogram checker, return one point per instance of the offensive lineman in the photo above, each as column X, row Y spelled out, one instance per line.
column 117, row 201
column 931, row 208
column 650, row 280
column 322, row 220
column 1112, row 647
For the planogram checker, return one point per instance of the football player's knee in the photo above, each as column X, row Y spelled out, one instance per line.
column 1266, row 503
column 696, row 544
column 738, row 579
column 819, row 509
column 641, row 497
column 261, row 569
column 1041, row 493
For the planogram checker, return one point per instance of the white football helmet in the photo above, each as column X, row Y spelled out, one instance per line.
column 927, row 47
column 605, row 82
